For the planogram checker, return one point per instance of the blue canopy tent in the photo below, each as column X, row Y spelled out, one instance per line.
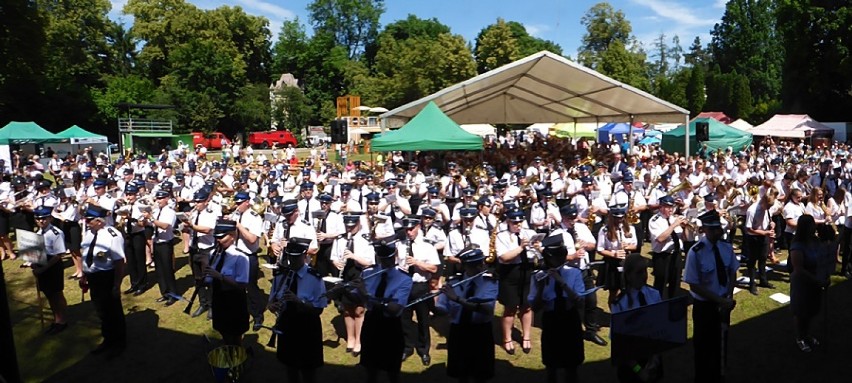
column 617, row 130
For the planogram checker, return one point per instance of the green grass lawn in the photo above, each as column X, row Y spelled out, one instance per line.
column 166, row 345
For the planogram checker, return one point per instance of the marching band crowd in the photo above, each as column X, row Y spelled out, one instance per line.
column 534, row 226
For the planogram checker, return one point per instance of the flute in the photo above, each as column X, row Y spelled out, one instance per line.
column 439, row 292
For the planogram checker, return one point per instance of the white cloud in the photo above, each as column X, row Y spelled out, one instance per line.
column 267, row 9
column 117, row 6
column 536, row 29
column 720, row 4
column 679, row 14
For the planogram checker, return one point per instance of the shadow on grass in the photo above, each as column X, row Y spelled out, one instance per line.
column 761, row 348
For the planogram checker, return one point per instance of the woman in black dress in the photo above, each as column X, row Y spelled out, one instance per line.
column 812, row 257
column 228, row 272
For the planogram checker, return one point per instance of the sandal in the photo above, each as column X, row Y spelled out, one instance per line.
column 510, row 351
column 527, row 346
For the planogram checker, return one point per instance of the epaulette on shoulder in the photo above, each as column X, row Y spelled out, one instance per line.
column 698, row 246
column 314, row 272
column 489, row 276
column 112, row 231
column 252, row 212
column 655, row 217
column 454, row 277
column 55, row 230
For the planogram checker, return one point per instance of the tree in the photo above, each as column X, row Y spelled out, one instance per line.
column 291, row 111
column 741, row 104
column 495, row 47
column 527, row 44
column 746, row 41
column 609, row 48
column 251, row 109
column 22, row 40
column 695, row 96
column 817, row 68
column 291, row 46
column 697, row 54
column 354, row 24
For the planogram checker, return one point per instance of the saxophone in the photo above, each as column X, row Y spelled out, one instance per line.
column 632, row 217
column 492, row 250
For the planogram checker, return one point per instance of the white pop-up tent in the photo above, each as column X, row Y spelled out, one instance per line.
column 544, row 87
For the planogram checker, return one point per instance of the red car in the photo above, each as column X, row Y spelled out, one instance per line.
column 265, row 140
column 212, row 141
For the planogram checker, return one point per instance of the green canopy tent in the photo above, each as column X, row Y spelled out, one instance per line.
column 78, row 135
column 29, row 132
column 430, row 129
column 721, row 137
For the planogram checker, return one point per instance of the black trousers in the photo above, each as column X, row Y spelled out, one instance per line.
column 417, row 334
column 844, row 243
column 323, row 264
column 256, row 300
column 163, row 253
column 666, row 273
column 589, row 303
column 711, row 343
column 199, row 259
column 757, row 252
column 134, row 251
column 780, row 225
column 107, row 301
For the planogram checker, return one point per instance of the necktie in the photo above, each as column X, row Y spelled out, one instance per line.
column 487, row 224
column 240, row 221
column 383, row 284
column 129, row 220
column 559, row 301
column 307, row 209
column 467, row 314
column 157, row 228
column 194, row 244
column 721, row 272
column 524, row 259
column 91, row 254
column 455, row 191
column 759, row 215
column 411, row 269
column 676, row 241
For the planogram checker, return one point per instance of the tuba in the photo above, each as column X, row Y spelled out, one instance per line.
column 682, row 186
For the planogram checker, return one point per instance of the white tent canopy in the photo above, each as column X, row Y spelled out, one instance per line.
column 542, row 87
column 481, row 130
column 741, row 125
column 790, row 126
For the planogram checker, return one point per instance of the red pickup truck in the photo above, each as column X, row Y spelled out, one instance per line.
column 265, row 140
column 209, row 141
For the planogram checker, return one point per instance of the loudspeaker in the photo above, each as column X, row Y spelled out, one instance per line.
column 339, row 132
column 702, row 131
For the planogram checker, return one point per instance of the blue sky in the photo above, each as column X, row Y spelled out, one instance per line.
column 556, row 20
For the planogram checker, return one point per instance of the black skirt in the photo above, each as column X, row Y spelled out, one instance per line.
column 73, row 235
column 514, row 287
column 22, row 220
column 230, row 310
column 562, row 339
column 351, row 271
column 612, row 278
column 4, row 223
column 300, row 342
column 470, row 351
column 52, row 280
column 381, row 341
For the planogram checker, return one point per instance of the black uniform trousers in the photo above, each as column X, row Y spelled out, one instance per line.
column 756, row 249
column 108, row 307
column 199, row 260
column 587, row 306
column 163, row 253
column 710, row 341
column 256, row 299
column 844, row 241
column 666, row 273
column 134, row 251
column 417, row 334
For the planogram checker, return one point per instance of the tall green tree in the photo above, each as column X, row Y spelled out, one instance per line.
column 354, row 24
column 697, row 55
column 22, row 39
column 817, row 68
column 528, row 44
column 291, row 111
column 495, row 47
column 695, row 93
column 608, row 46
column 746, row 41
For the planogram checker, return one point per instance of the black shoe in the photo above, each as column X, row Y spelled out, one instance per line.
column 161, row 299
column 56, row 328
column 200, row 310
column 407, row 354
column 752, row 289
column 210, row 314
column 426, row 359
column 130, row 290
column 766, row 284
column 100, row 349
column 170, row 301
column 593, row 327
column 138, row 292
column 594, row 338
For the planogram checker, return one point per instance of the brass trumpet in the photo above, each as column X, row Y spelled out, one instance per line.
column 682, row 186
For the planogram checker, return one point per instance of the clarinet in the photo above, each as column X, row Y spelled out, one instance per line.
column 285, row 286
